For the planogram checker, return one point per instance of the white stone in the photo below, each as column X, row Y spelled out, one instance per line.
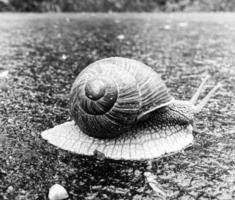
column 183, row 24
column 167, row 27
column 121, row 37
column 57, row 192
column 3, row 74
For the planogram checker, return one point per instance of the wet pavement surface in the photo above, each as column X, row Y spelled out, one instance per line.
column 44, row 53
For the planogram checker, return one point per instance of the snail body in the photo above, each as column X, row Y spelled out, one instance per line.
column 122, row 108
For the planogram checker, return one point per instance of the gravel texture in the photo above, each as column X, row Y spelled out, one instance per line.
column 44, row 53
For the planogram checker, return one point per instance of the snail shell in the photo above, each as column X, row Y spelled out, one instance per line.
column 111, row 95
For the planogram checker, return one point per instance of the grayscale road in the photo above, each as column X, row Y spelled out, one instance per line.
column 43, row 53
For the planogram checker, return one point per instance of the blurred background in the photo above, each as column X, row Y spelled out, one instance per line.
column 116, row 5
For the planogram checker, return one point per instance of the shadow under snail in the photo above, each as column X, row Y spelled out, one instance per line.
column 122, row 108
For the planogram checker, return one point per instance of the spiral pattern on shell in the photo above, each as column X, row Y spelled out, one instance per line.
column 109, row 95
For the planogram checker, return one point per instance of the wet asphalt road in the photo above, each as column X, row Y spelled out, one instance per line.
column 44, row 53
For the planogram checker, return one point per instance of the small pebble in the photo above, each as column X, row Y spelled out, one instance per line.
column 183, row 24
column 99, row 155
column 121, row 37
column 3, row 74
column 10, row 189
column 64, row 57
column 137, row 172
column 57, row 192
column 167, row 27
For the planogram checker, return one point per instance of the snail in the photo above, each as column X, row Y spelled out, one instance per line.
column 121, row 108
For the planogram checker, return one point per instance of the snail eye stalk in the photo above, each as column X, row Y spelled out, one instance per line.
column 199, row 90
column 205, row 100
